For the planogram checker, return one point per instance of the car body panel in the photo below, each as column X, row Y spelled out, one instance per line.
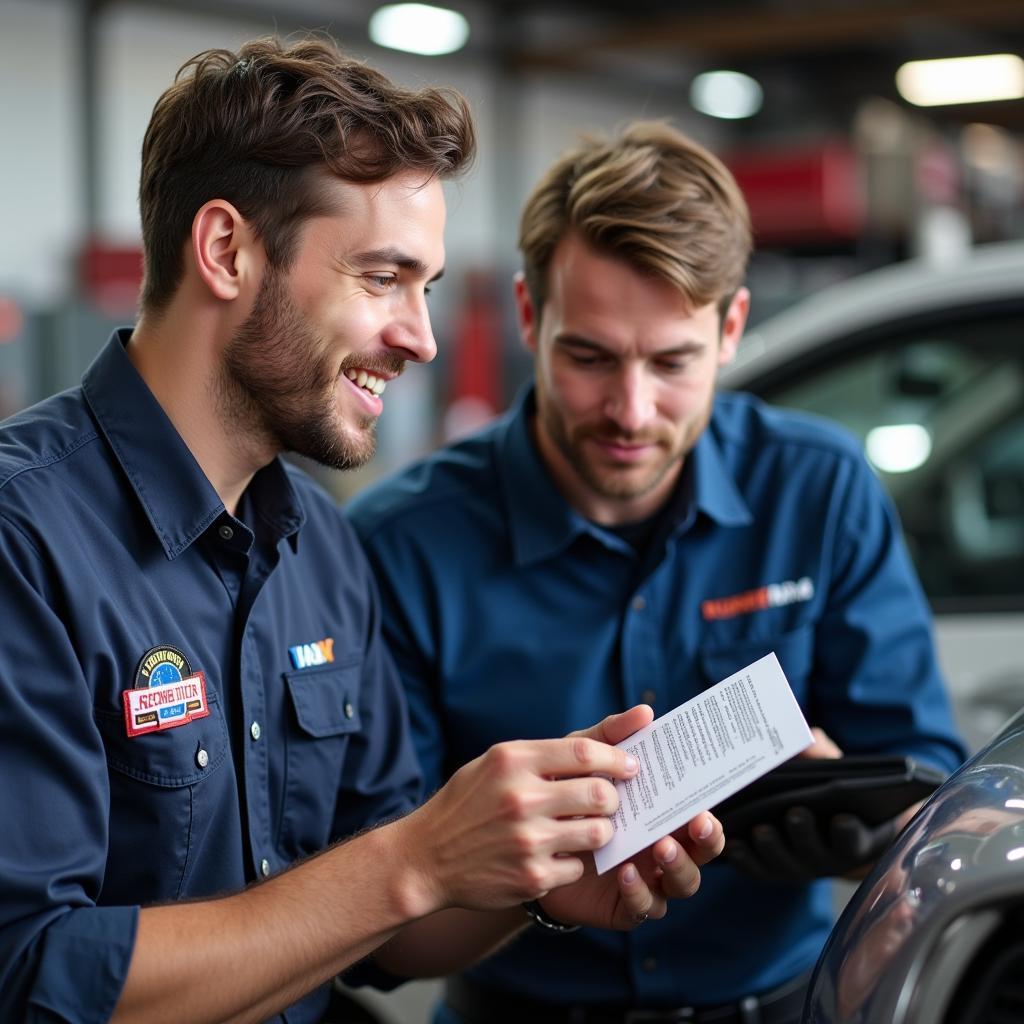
column 915, row 942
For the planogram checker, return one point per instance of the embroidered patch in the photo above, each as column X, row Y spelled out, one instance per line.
column 165, row 705
column 163, row 664
column 318, row 652
column 775, row 595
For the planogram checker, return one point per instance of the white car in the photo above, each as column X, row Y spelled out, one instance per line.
column 926, row 365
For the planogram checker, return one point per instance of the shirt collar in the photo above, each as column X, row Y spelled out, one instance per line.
column 714, row 487
column 542, row 522
column 178, row 499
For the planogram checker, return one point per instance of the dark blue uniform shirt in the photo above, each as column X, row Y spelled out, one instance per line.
column 510, row 615
column 113, row 542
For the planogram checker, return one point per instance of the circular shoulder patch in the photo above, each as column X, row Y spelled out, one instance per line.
column 163, row 664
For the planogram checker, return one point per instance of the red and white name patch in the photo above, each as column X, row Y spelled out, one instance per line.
column 165, row 706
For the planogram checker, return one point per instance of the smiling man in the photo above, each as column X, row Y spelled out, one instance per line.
column 624, row 535
column 197, row 709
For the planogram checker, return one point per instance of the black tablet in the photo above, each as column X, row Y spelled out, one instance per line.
column 875, row 788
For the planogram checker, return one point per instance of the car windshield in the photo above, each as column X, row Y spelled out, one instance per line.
column 940, row 410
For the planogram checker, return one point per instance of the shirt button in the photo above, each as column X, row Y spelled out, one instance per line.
column 648, row 697
column 639, row 603
column 649, row 964
column 254, row 730
column 225, row 531
column 202, row 758
column 264, row 867
column 349, row 710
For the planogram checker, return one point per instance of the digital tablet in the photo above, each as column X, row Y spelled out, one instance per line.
column 875, row 788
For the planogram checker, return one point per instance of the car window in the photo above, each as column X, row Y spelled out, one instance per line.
column 940, row 410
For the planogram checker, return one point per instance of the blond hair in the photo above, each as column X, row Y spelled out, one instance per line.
column 651, row 197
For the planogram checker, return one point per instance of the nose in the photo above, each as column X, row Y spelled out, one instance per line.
column 630, row 405
column 410, row 332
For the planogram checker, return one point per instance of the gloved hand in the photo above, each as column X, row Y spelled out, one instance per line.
column 801, row 848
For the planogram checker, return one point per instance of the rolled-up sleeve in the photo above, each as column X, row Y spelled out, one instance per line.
column 62, row 957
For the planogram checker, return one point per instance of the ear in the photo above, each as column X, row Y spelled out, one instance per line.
column 733, row 322
column 526, row 314
column 223, row 248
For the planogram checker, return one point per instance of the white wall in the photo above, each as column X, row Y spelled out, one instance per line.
column 521, row 123
column 40, row 199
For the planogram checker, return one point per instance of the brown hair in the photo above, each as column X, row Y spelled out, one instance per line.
column 651, row 197
column 255, row 128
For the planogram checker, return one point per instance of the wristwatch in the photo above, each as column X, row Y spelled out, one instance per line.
column 545, row 920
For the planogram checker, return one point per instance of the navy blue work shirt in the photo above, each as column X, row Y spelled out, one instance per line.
column 113, row 542
column 510, row 615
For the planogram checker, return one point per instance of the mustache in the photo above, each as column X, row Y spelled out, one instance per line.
column 382, row 363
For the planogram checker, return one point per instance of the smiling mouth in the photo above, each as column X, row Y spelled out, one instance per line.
column 367, row 381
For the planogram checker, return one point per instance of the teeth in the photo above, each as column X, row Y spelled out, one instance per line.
column 375, row 385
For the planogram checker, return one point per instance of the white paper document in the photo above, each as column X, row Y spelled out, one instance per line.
column 704, row 751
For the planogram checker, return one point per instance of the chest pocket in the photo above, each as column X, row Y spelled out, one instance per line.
column 795, row 651
column 325, row 702
column 166, row 790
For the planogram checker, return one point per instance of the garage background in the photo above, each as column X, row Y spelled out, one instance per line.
column 843, row 175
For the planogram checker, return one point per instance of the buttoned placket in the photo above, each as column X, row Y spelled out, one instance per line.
column 645, row 679
column 643, row 662
column 255, row 748
column 243, row 571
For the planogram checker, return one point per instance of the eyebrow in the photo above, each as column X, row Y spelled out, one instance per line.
column 688, row 347
column 389, row 254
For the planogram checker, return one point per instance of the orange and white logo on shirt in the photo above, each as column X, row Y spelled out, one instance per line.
column 774, row 595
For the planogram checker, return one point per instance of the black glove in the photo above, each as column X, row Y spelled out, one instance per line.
column 801, row 848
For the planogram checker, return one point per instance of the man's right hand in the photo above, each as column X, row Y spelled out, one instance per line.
column 510, row 825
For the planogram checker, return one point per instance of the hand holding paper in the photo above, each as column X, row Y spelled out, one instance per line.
column 668, row 869
column 702, row 752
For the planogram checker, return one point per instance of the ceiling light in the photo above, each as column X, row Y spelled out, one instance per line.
column 899, row 448
column 728, row 94
column 419, row 28
column 932, row 83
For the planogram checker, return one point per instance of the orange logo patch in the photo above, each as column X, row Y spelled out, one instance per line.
column 774, row 595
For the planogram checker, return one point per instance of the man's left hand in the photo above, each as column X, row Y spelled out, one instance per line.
column 640, row 888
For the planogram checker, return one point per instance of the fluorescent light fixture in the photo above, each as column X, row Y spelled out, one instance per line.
column 899, row 448
column 933, row 83
column 419, row 28
column 727, row 94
